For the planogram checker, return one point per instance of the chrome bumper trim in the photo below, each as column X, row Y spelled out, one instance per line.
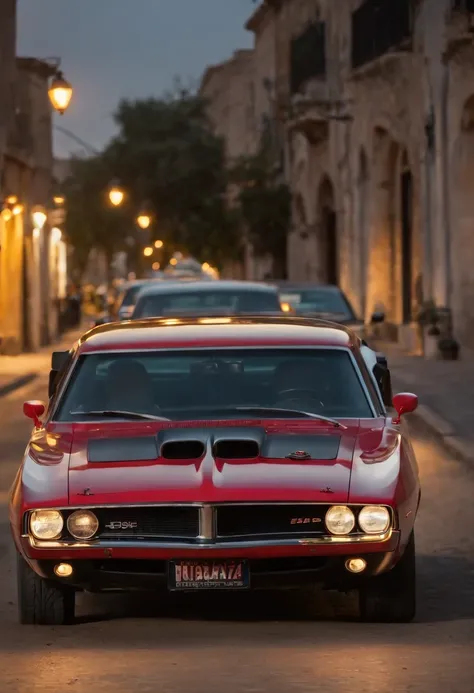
column 320, row 541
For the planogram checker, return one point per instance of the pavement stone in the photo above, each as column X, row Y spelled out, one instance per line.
column 446, row 394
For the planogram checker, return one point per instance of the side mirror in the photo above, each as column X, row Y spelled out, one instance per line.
column 33, row 409
column 377, row 318
column 404, row 403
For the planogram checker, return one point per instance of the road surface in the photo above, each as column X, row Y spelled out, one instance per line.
column 135, row 645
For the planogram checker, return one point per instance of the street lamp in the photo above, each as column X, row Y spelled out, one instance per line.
column 158, row 244
column 144, row 217
column 60, row 93
column 39, row 217
column 148, row 252
column 56, row 235
column 59, row 200
column 116, row 194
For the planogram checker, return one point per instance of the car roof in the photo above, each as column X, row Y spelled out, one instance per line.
column 207, row 285
column 299, row 286
column 257, row 330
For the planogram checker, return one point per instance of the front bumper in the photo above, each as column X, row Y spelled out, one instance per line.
column 273, row 565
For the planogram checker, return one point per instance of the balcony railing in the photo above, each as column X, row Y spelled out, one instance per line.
column 463, row 5
column 379, row 26
column 308, row 56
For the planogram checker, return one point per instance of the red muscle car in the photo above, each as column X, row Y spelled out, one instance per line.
column 216, row 453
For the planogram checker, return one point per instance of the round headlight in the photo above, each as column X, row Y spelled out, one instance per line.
column 82, row 524
column 374, row 519
column 340, row 519
column 46, row 524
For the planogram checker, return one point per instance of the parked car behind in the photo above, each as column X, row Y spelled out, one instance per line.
column 206, row 297
column 323, row 301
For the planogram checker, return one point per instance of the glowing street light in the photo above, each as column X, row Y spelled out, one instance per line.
column 144, row 217
column 158, row 244
column 116, row 194
column 60, row 93
column 56, row 235
column 155, row 266
column 59, row 200
column 148, row 252
column 39, row 217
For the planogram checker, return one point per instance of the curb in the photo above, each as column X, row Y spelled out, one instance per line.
column 16, row 383
column 458, row 446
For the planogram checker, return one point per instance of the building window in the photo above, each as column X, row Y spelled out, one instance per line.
column 308, row 56
column 379, row 26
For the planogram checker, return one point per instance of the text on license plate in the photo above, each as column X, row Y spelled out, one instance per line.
column 208, row 575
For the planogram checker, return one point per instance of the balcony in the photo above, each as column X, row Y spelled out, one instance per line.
column 380, row 27
column 459, row 27
column 463, row 5
column 308, row 57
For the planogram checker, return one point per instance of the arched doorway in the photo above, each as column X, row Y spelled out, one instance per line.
column 406, row 240
column 329, row 255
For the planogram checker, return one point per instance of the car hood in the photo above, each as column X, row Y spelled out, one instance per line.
column 216, row 462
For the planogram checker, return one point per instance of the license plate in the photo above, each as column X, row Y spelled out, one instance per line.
column 208, row 575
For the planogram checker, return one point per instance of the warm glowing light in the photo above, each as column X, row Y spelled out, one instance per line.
column 155, row 266
column 206, row 266
column 6, row 214
column 158, row 244
column 116, row 196
column 63, row 569
column 143, row 221
column 60, row 93
column 147, row 252
column 173, row 261
column 17, row 209
column 39, row 217
column 12, row 199
column 286, row 308
column 36, row 233
column 59, row 200
column 56, row 235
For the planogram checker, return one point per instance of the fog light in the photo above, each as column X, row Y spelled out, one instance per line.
column 63, row 569
column 356, row 565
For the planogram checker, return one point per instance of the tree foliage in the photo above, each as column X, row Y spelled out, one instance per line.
column 165, row 154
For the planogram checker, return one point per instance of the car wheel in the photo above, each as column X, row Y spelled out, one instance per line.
column 41, row 602
column 391, row 597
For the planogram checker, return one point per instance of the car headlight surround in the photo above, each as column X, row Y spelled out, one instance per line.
column 374, row 519
column 82, row 524
column 340, row 520
column 46, row 525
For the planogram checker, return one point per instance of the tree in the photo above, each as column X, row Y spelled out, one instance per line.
column 91, row 222
column 265, row 204
column 165, row 155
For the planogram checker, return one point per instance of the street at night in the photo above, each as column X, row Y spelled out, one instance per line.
column 125, row 643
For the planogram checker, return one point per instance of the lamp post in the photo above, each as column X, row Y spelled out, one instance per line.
column 60, row 93
column 116, row 193
column 144, row 217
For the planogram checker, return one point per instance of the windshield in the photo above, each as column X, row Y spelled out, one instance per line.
column 318, row 300
column 131, row 294
column 189, row 302
column 215, row 383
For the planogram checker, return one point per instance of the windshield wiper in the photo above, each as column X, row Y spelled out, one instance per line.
column 117, row 413
column 294, row 412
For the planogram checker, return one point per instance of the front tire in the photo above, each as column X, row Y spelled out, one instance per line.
column 42, row 602
column 391, row 597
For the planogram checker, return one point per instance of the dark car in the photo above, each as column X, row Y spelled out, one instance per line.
column 206, row 297
column 323, row 301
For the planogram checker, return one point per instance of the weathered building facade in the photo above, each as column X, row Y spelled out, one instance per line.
column 29, row 258
column 378, row 104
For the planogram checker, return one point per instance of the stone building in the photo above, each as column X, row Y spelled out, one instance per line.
column 377, row 101
column 237, row 104
column 30, row 254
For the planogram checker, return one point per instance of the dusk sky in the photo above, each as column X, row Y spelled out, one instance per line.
column 126, row 48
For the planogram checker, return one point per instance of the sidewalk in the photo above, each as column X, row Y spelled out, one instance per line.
column 445, row 391
column 16, row 371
